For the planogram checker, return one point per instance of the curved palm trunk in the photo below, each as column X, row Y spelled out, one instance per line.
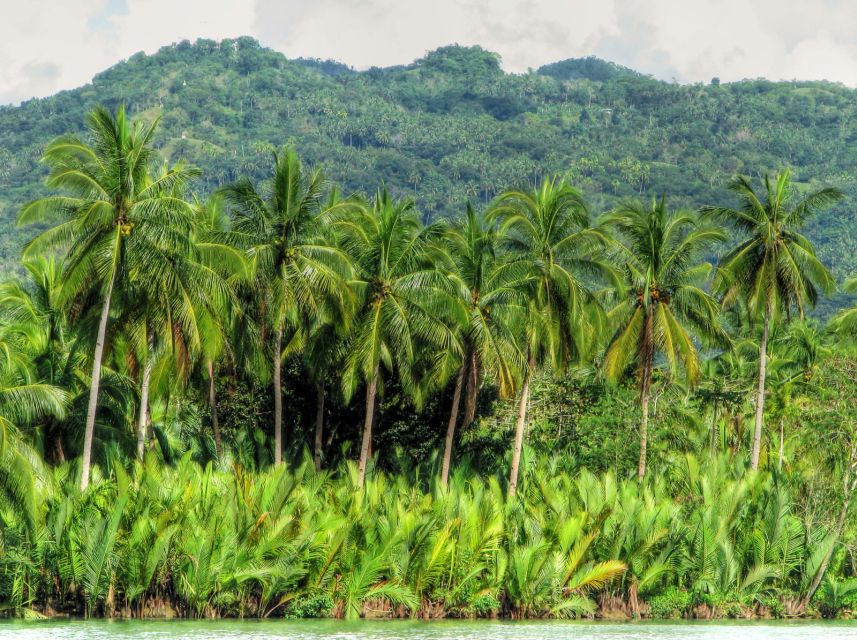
column 86, row 457
column 645, row 391
column 144, row 401
column 212, row 404
column 760, row 392
column 371, row 392
column 319, row 424
column 450, row 428
column 278, row 398
column 519, row 428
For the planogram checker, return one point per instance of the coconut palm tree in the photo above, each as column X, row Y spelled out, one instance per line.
column 32, row 312
column 400, row 311
column 113, row 220
column 493, row 298
column 774, row 268
column 215, row 319
column 663, row 309
column 296, row 268
column 547, row 230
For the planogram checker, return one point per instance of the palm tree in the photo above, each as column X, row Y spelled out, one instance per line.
column 214, row 320
column 491, row 294
column 665, row 310
column 296, row 269
column 547, row 231
column 398, row 282
column 31, row 311
column 114, row 220
column 845, row 322
column 774, row 268
column 23, row 399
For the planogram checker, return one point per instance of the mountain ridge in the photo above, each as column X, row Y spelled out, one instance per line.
column 454, row 125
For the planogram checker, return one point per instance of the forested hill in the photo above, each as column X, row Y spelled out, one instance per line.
column 454, row 126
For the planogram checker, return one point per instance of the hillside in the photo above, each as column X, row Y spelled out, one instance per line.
column 454, row 126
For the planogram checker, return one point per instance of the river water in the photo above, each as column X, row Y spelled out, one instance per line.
column 408, row 630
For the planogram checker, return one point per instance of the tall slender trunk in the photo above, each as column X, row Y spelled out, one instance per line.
column 782, row 446
column 371, row 391
column 450, row 427
column 472, row 390
column 319, row 424
column 519, row 427
column 712, row 445
column 86, row 457
column 278, row 398
column 59, row 451
column 760, row 392
column 144, row 399
column 212, row 405
column 645, row 390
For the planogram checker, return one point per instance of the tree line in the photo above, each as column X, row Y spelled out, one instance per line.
column 138, row 289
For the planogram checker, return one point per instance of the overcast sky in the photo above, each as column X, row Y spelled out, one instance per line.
column 49, row 45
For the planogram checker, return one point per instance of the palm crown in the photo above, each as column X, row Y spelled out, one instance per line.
column 664, row 310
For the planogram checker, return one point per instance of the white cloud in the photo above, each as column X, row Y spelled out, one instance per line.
column 48, row 45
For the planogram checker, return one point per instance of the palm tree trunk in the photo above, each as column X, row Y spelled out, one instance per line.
column 371, row 391
column 645, row 390
column 519, row 428
column 212, row 404
column 450, row 428
column 319, row 424
column 782, row 446
column 144, row 400
column 278, row 398
column 472, row 390
column 760, row 392
column 712, row 445
column 94, row 386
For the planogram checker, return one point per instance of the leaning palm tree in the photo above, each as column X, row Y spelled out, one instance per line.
column 662, row 308
column 547, row 231
column 400, row 309
column 491, row 293
column 774, row 268
column 112, row 220
column 296, row 268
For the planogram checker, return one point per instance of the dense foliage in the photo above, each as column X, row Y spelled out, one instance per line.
column 282, row 401
column 453, row 126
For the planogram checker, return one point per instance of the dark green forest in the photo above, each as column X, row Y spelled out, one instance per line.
column 454, row 126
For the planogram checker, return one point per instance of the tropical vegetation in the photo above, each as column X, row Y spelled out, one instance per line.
column 281, row 400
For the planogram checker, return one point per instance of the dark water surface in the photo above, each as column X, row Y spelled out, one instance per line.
column 407, row 630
